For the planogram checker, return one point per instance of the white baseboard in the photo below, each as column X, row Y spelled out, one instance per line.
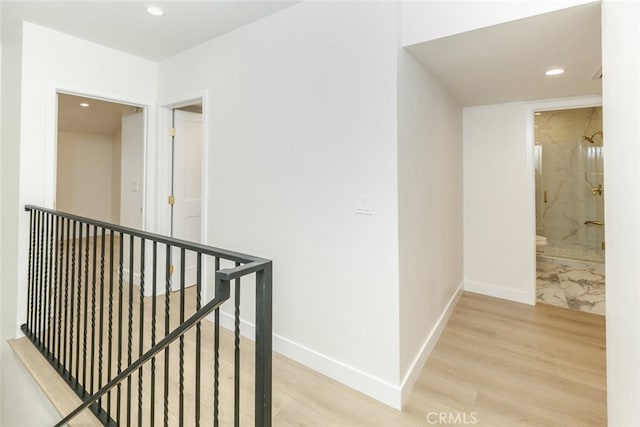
column 428, row 346
column 363, row 382
column 381, row 390
column 247, row 330
column 500, row 292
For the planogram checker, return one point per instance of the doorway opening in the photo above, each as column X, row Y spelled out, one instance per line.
column 569, row 195
column 187, row 189
column 99, row 166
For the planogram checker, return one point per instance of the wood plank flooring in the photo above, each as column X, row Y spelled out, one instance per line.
column 497, row 364
column 516, row 365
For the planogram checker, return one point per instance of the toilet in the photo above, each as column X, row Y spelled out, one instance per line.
column 540, row 241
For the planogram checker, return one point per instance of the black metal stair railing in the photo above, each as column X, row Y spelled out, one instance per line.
column 132, row 354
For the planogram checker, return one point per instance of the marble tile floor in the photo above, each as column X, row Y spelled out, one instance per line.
column 578, row 287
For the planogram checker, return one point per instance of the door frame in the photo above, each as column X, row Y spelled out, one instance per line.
column 51, row 139
column 164, row 163
column 532, row 107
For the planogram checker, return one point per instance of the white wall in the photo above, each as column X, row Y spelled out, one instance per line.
column 131, row 196
column 316, row 140
column 11, row 82
column 621, row 110
column 1, row 334
column 84, row 167
column 430, row 211
column 51, row 58
column 432, row 19
column 499, row 213
column 22, row 403
column 302, row 124
column 499, row 228
column 132, row 170
column 116, row 169
column 26, row 404
column 45, row 58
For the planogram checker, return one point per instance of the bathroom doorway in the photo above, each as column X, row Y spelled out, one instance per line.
column 568, row 152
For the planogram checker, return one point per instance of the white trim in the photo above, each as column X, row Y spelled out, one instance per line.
column 162, row 162
column 432, row 339
column 563, row 104
column 379, row 389
column 532, row 107
column 247, row 329
column 510, row 294
column 51, row 147
column 51, row 141
column 186, row 100
column 164, row 218
column 51, row 135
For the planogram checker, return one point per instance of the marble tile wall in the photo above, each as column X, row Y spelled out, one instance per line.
column 568, row 168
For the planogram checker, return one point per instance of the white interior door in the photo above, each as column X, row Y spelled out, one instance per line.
column 187, row 190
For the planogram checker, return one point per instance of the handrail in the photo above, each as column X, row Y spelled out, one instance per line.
column 79, row 319
column 205, row 249
column 223, row 291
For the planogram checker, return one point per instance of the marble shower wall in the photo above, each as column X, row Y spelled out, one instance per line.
column 569, row 169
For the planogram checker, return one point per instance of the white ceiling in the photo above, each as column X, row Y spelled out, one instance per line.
column 506, row 62
column 126, row 26
column 100, row 117
column 502, row 63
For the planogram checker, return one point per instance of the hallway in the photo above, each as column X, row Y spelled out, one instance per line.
column 497, row 363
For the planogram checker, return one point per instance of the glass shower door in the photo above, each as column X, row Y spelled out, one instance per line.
column 569, row 183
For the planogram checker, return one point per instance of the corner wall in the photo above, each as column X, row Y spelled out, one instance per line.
column 31, row 65
column 0, row 199
column 430, row 212
column 499, row 212
column 22, row 402
column 53, row 58
column 9, row 158
column 621, row 110
column 0, row 203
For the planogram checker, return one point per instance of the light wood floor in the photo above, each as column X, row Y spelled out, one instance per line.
column 497, row 364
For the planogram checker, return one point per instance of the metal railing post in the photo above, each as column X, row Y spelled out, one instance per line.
column 264, row 296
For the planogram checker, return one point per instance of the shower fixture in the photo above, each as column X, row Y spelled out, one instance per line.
column 590, row 138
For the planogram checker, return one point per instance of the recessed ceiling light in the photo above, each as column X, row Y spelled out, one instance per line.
column 537, row 113
column 554, row 72
column 84, row 104
column 155, row 11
